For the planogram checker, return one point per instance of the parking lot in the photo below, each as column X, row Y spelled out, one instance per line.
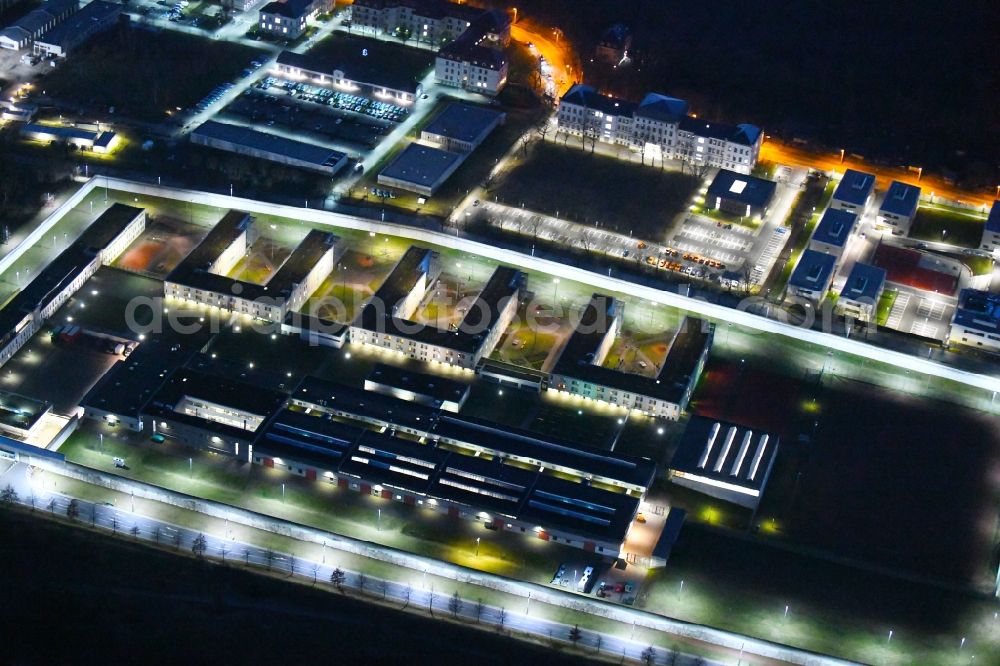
column 921, row 313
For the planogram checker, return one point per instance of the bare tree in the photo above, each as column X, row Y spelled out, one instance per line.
column 52, row 506
column 362, row 582
column 648, row 656
column 291, row 565
column 501, row 618
column 599, row 641
column 135, row 532
column 478, row 608
column 73, row 509
column 430, row 602
column 199, row 545
column 315, row 572
column 337, row 578
column 575, row 635
column 455, row 604
column 114, row 524
column 156, row 534
column 406, row 596
column 224, row 550
column 177, row 539
column 8, row 495
column 269, row 558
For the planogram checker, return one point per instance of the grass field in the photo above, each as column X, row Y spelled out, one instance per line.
column 885, row 303
column 144, row 74
column 948, row 225
column 589, row 188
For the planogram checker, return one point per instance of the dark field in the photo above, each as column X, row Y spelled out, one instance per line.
column 143, row 73
column 94, row 599
column 586, row 187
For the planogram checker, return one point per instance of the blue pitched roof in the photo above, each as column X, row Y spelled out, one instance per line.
column 855, row 187
column 745, row 133
column 835, row 227
column 661, row 107
column 814, row 271
column 901, row 199
column 584, row 95
column 750, row 190
column 993, row 221
column 979, row 310
column 864, row 283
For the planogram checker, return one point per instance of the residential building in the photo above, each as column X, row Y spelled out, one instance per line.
column 580, row 370
column 26, row 312
column 725, row 460
column 203, row 276
column 460, row 128
column 426, row 21
column 833, row 231
column 660, row 128
column 812, row 275
column 261, row 145
column 95, row 17
column 385, row 321
column 738, row 194
column 991, row 232
column 899, row 207
column 861, row 293
column 287, row 18
column 468, row 64
column 977, row 320
column 352, row 75
column 854, row 192
column 22, row 33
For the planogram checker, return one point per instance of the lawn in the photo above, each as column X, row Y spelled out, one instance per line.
column 589, row 188
column 885, row 303
column 142, row 73
column 947, row 225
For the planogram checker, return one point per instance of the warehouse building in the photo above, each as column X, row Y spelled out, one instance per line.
column 861, row 293
column 357, row 76
column 431, row 390
column 421, row 169
column 271, row 147
column 100, row 243
column 95, row 17
column 22, row 33
column 460, row 128
column 385, row 321
column 854, row 192
column 899, row 207
column 579, row 370
column 202, row 277
column 724, row 460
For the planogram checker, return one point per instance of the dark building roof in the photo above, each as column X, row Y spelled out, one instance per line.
column 864, row 283
column 979, row 310
column 855, row 187
column 438, row 389
column 288, row 8
column 270, row 143
column 814, row 271
column 835, row 227
column 463, row 122
column 241, row 396
column 84, row 21
column 20, row 411
column 726, row 452
column 662, row 108
column 587, row 96
column 422, row 165
column 749, row 190
column 743, row 133
column 354, row 68
column 65, row 268
column 901, row 199
column 993, row 221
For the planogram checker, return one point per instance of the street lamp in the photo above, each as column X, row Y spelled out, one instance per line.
column 378, row 521
column 477, row 546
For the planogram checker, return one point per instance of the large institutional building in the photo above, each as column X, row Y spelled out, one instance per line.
column 659, row 127
column 471, row 39
column 580, row 370
column 107, row 237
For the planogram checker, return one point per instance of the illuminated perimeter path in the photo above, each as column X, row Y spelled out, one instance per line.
column 717, row 312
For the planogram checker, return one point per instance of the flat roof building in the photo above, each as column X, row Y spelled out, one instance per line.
column 22, row 33
column 861, row 293
column 899, row 207
column 833, row 231
column 202, row 276
column 96, row 140
column 425, row 389
column 740, row 194
column 462, row 127
column 812, row 275
column 579, row 369
column 421, row 169
column 19, row 414
column 991, row 231
column 724, row 460
column 351, row 73
column 99, row 244
column 977, row 320
column 95, row 17
column 271, row 147
column 385, row 320
column 854, row 191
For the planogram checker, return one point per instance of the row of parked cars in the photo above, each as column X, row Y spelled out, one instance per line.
column 214, row 96
column 338, row 100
